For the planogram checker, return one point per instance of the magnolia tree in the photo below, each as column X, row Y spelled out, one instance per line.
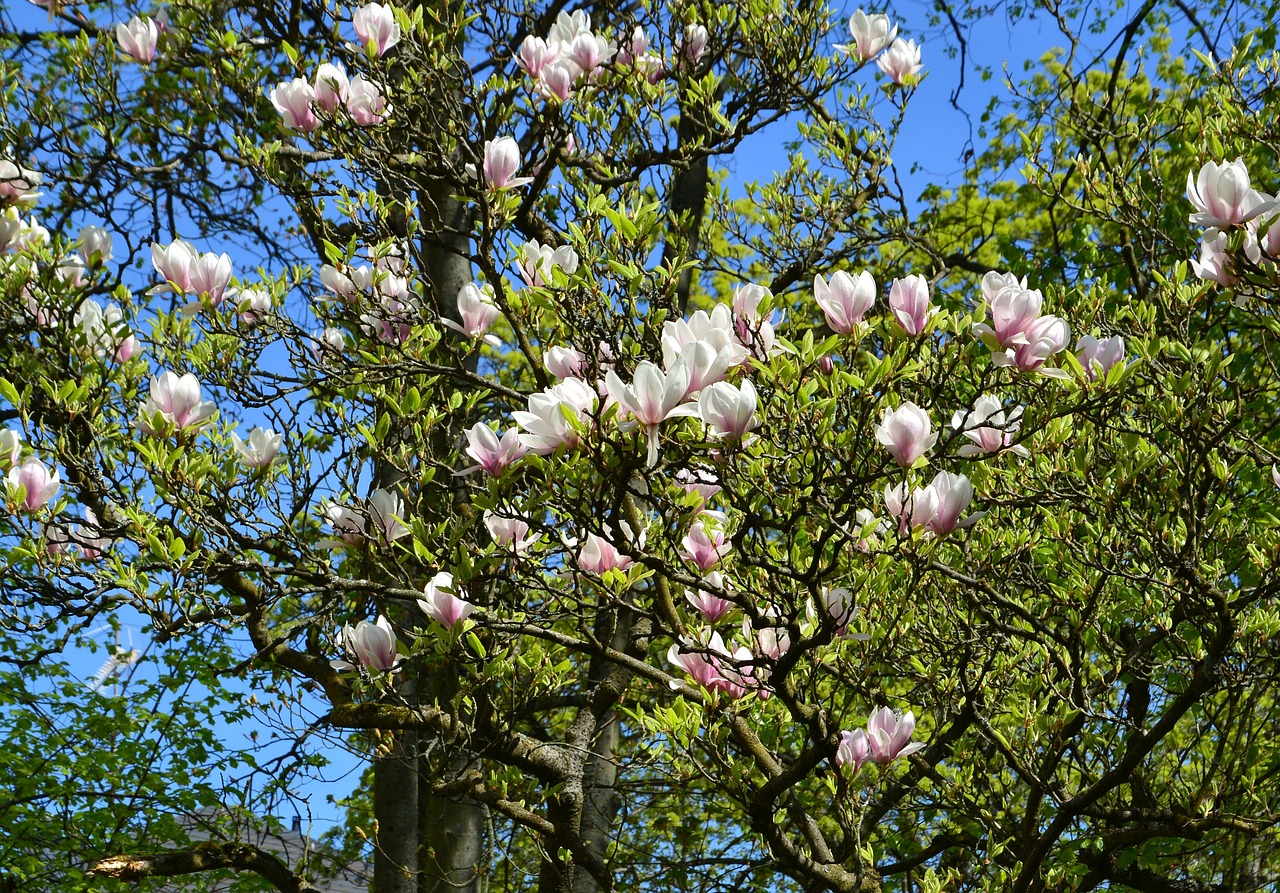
column 411, row 378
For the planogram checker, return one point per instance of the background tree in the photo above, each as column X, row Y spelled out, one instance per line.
column 676, row 628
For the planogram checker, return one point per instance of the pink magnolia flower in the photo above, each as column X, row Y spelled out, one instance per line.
column 700, row 481
column 18, row 184
column 564, row 362
column 907, row 433
column 705, row 544
column 954, row 493
column 534, row 55
column 174, row 263
column 89, row 537
column 348, row 523
column 590, row 52
column 210, row 276
column 771, row 640
column 254, row 304
column 331, row 87
column 175, row 402
column 490, row 453
column 989, row 427
column 373, row 644
column 138, row 39
column 909, row 303
column 1222, row 196
column 1047, row 336
column 341, row 284
column 838, row 603
column 845, row 300
column 509, row 532
column 10, row 447
column 260, row 450
column 854, row 749
column 501, row 161
column 598, row 556
column 477, row 311
column 901, row 62
column 1014, row 311
column 706, row 664
column 95, row 245
column 692, row 44
column 442, row 604
column 711, row 606
column 871, row 34
column 714, row 340
column 365, row 103
column 31, row 485
column 385, row 511
column 292, row 100
column 1097, row 356
column 376, row 27
column 889, row 735
column 653, row 397
column 914, row 509
column 728, row 411
column 754, row 331
column 1215, row 261
column 537, row 262
column 557, row 416
column 556, row 80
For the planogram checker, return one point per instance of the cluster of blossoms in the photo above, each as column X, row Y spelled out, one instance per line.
column 1019, row 336
column 886, row 738
column 187, row 271
column 872, row 34
column 175, row 404
column 572, row 55
column 299, row 100
column 381, row 291
column 1241, row 239
column 352, row 523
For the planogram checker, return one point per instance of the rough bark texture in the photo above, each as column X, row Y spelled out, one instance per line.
column 205, row 857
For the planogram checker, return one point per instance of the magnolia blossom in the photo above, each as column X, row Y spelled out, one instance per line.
column 210, row 277
column 1047, row 336
column 138, row 38
column 10, row 447
column 373, row 644
column 700, row 481
column 712, row 607
column 754, row 331
column 261, row 448
column 889, row 735
column 907, row 433
column 501, row 161
column 556, row 80
column 175, row 402
column 443, row 603
column 385, row 511
column 954, row 493
column 838, row 603
column 292, row 100
column 477, row 311
column 95, row 245
column 590, row 51
column 912, row 509
column 564, row 362
column 871, row 34
column 909, row 303
column 547, row 424
column 711, row 342
column 490, row 453
column 376, row 27
column 772, row 640
column 1097, row 356
column 17, row 183
column 509, row 532
column 705, row 544
column 348, row 524
column 653, row 397
column 845, row 300
column 254, row 304
column 854, row 749
column 901, row 62
column 331, row 87
column 706, row 664
column 692, row 44
column 365, row 103
column 1222, row 196
column 534, row 55
column 989, row 427
column 1215, row 261
column 90, row 538
column 1014, row 310
column 598, row 556
column 728, row 411
column 104, row 330
column 174, row 264
column 31, row 485
column 537, row 261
